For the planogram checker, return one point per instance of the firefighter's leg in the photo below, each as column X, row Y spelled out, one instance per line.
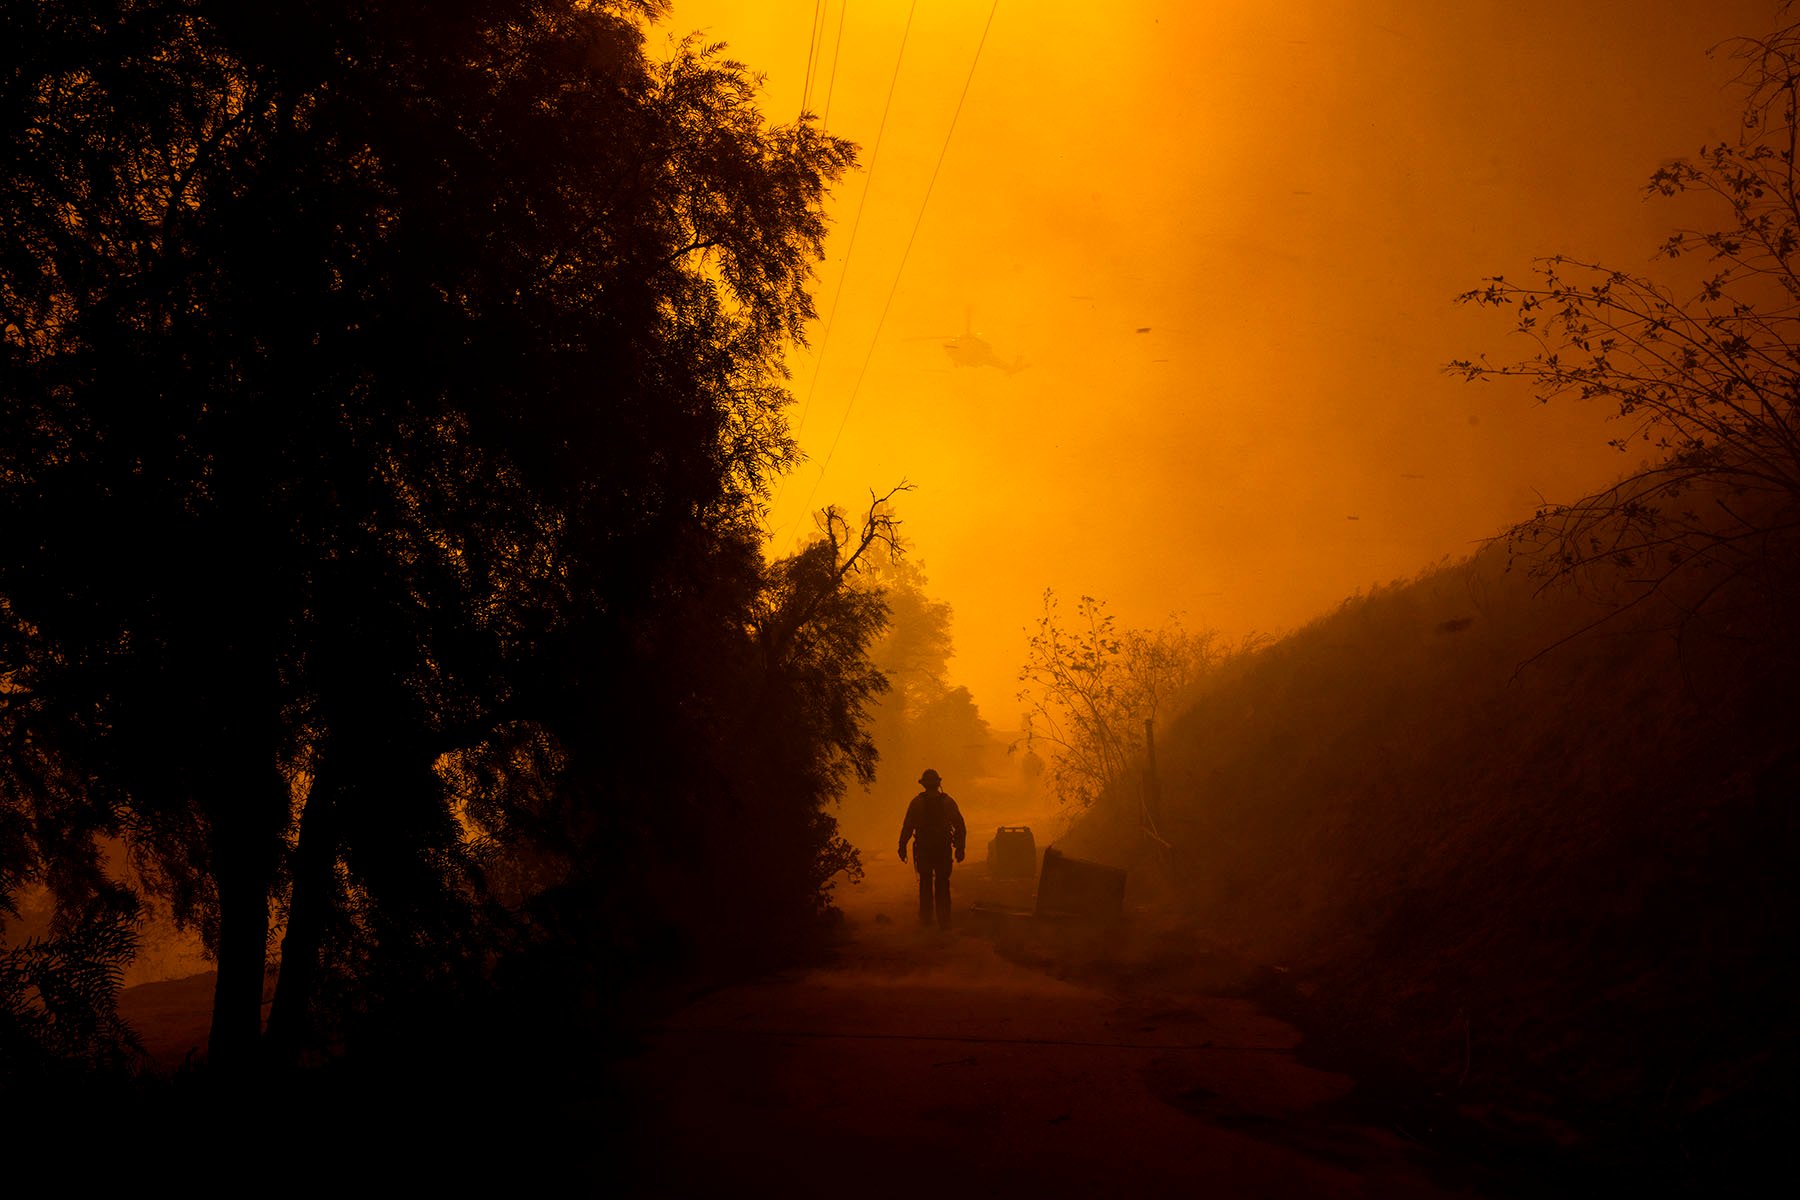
column 943, row 896
column 924, row 888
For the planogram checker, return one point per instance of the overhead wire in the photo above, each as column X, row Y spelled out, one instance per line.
column 918, row 220
column 818, row 56
column 856, row 222
column 812, row 49
column 837, row 48
column 855, row 225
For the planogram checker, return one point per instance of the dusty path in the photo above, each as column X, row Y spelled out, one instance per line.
column 925, row 1061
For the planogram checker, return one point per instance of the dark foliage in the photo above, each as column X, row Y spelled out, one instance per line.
column 923, row 719
column 386, row 393
column 59, row 1018
column 1699, row 362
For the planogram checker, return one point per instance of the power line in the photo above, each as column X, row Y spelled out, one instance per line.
column 818, row 51
column 812, row 46
column 836, row 52
column 905, row 254
column 850, row 248
column 856, row 222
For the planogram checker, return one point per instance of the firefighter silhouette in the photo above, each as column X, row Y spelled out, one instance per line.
column 934, row 826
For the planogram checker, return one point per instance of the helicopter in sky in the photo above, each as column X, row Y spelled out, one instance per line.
column 970, row 349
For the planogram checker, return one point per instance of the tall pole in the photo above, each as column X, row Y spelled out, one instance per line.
column 1152, row 784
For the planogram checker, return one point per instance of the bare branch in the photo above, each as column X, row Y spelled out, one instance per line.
column 1708, row 385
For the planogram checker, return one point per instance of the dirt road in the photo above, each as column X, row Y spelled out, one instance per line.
column 924, row 1063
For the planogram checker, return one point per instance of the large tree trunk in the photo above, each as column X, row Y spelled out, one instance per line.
column 243, row 957
column 309, row 911
column 246, row 841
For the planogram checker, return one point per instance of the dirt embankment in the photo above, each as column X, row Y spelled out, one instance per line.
column 1548, row 892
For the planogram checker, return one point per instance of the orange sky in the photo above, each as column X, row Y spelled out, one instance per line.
column 1287, row 196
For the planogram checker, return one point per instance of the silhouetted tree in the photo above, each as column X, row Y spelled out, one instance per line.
column 764, row 725
column 1089, row 688
column 814, row 625
column 923, row 720
column 1703, row 367
column 58, row 994
column 385, row 391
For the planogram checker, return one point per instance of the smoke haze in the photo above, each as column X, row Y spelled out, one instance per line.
column 1210, row 252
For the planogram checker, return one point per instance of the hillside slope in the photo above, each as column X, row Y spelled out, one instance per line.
column 1553, row 882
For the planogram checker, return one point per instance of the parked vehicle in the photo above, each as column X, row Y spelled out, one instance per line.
column 1012, row 853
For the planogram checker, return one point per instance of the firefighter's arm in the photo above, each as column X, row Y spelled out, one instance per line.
column 906, row 832
column 958, row 829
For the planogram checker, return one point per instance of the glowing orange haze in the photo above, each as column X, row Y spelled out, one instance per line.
column 1223, row 238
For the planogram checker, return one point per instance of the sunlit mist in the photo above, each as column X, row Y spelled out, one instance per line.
column 1209, row 252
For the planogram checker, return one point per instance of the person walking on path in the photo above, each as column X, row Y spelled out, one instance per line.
column 934, row 826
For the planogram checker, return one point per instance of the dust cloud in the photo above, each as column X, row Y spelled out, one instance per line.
column 1150, row 300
